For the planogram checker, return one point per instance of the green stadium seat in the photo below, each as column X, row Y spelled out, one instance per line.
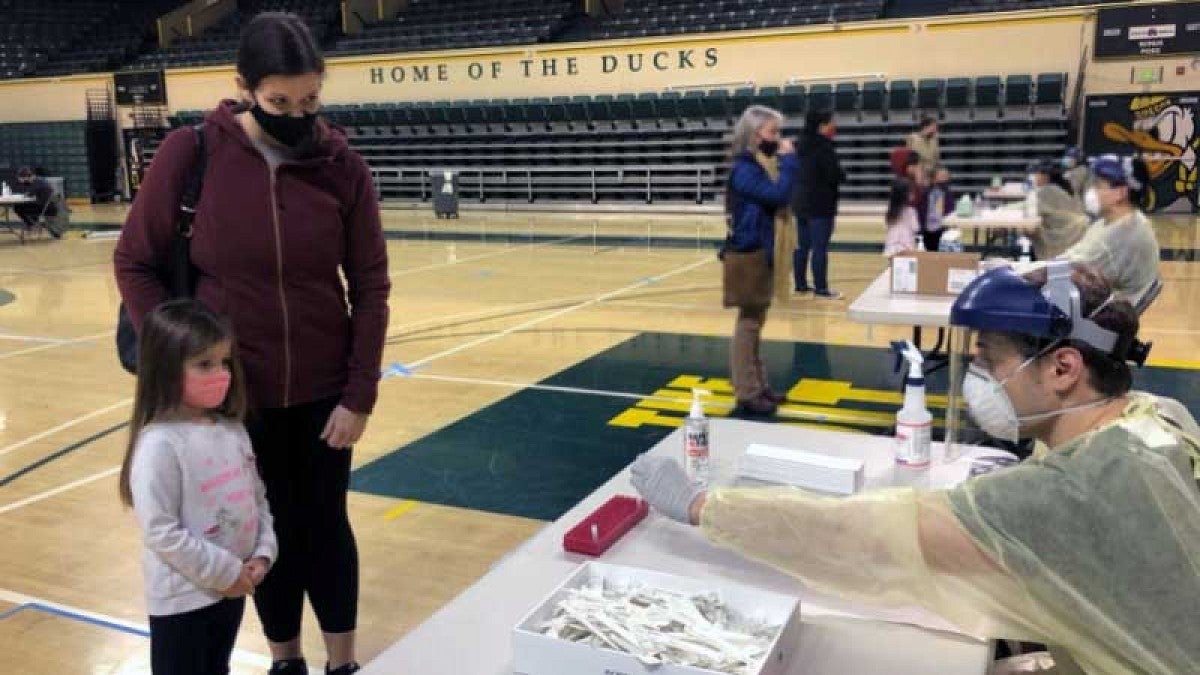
column 792, row 100
column 900, row 100
column 929, row 95
column 820, row 97
column 716, row 105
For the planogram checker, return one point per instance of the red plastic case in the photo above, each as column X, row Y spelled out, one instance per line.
column 613, row 519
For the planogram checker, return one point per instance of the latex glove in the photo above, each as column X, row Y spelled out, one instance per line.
column 663, row 483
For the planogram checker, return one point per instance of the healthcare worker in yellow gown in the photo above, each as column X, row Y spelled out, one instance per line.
column 1092, row 548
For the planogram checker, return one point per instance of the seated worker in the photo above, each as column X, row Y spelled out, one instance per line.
column 1063, row 219
column 33, row 185
column 1076, row 173
column 1121, row 243
column 1091, row 548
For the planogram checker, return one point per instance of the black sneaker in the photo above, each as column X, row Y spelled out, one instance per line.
column 828, row 294
column 804, row 289
column 759, row 406
column 289, row 667
column 347, row 669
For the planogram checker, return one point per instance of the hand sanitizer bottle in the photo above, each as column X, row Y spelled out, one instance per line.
column 696, row 442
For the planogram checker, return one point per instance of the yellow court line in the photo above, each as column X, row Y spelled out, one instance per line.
column 1174, row 363
column 400, row 509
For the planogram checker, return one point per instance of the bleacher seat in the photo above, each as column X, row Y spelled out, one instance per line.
column 622, row 107
column 644, row 107
column 846, row 102
column 538, row 111
column 900, row 101
column 578, row 109
column 1049, row 99
column 716, row 105
column 958, row 98
column 770, row 97
column 670, row 108
column 793, row 100
column 1018, row 97
column 874, row 94
column 820, row 97
column 691, row 107
column 742, row 98
column 929, row 96
column 599, row 108
column 987, row 98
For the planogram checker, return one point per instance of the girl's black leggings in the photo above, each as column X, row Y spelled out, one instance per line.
column 198, row 642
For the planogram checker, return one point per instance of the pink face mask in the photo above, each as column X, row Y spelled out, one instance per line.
column 206, row 392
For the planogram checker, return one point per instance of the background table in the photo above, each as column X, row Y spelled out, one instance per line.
column 6, row 204
column 994, row 223
column 1002, row 195
column 472, row 634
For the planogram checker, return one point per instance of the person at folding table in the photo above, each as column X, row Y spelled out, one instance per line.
column 1091, row 547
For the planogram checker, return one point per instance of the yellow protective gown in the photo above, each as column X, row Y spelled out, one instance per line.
column 1063, row 222
column 1126, row 252
column 1093, row 549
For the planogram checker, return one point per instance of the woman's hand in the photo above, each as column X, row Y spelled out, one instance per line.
column 344, row 428
column 786, row 147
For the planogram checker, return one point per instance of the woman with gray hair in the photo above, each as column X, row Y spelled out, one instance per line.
column 761, row 179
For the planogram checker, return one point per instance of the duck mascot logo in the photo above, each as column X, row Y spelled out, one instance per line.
column 1163, row 131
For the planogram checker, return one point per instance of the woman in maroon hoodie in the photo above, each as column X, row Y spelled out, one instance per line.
column 286, row 207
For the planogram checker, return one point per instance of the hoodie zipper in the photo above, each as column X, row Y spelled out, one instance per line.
column 287, row 331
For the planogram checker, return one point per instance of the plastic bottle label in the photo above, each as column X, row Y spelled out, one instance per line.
column 696, row 449
column 912, row 443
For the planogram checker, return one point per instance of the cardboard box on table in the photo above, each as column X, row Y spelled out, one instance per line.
column 929, row 273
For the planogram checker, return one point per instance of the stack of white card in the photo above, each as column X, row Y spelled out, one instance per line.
column 808, row 470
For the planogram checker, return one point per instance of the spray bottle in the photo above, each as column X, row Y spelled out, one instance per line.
column 695, row 441
column 914, row 423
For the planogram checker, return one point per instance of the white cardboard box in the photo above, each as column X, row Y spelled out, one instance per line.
column 800, row 468
column 538, row 654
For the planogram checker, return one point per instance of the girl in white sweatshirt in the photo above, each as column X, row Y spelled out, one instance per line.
column 189, row 474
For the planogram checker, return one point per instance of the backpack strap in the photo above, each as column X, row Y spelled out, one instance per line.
column 194, row 185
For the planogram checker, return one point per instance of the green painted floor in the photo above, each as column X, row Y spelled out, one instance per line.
column 541, row 450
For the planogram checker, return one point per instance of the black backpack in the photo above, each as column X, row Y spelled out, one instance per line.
column 180, row 275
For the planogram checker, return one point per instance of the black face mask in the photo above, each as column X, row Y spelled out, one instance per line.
column 769, row 148
column 288, row 130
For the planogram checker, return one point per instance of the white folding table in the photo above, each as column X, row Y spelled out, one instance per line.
column 6, row 204
column 994, row 221
column 472, row 634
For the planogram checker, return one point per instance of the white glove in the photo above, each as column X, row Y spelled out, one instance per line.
column 663, row 483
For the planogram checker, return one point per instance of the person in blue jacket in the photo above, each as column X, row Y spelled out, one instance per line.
column 762, row 176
